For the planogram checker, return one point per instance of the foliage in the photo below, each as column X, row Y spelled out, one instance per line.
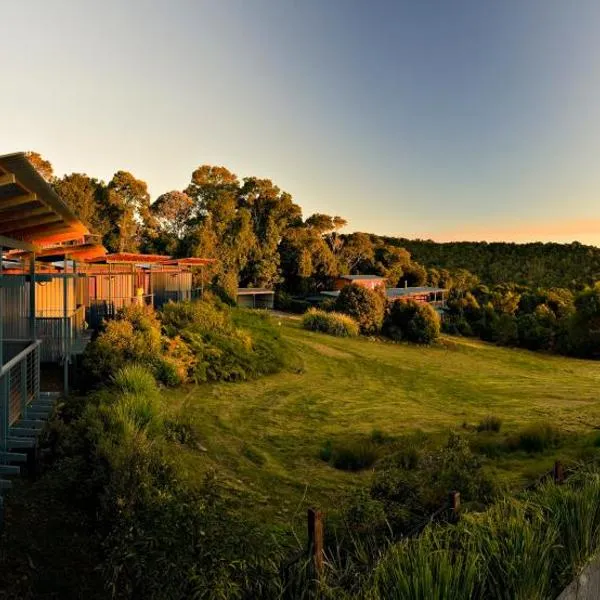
column 365, row 306
column 414, row 484
column 490, row 423
column 539, row 437
column 351, row 455
column 330, row 322
column 426, row 568
column 412, row 321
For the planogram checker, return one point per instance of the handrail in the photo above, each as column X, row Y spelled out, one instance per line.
column 15, row 360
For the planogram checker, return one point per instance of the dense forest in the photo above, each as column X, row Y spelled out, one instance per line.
column 535, row 264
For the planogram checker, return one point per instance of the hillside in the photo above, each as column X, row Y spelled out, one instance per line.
column 264, row 437
column 536, row 264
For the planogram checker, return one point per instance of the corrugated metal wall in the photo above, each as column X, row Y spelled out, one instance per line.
column 170, row 285
column 49, row 297
column 14, row 298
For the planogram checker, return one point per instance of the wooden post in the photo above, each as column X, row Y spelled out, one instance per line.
column 315, row 540
column 558, row 472
column 454, row 504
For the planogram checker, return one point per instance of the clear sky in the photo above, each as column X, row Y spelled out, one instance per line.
column 456, row 119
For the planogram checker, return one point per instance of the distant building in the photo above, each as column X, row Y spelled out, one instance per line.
column 367, row 281
column 255, row 298
column 434, row 296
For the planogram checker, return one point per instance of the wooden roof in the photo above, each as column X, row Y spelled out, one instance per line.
column 30, row 210
column 191, row 262
column 131, row 257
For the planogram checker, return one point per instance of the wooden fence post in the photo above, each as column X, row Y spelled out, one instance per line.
column 454, row 504
column 558, row 472
column 315, row 540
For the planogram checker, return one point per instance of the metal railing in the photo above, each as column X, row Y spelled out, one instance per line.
column 19, row 383
column 59, row 333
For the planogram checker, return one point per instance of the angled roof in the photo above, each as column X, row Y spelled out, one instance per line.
column 412, row 291
column 131, row 257
column 362, row 277
column 30, row 210
column 253, row 291
column 192, row 261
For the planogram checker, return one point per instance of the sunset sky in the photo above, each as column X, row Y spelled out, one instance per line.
column 418, row 118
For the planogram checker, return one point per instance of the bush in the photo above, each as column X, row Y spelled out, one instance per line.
column 353, row 455
column 413, row 322
column 490, row 423
column 415, row 482
column 539, row 437
column 330, row 322
column 365, row 306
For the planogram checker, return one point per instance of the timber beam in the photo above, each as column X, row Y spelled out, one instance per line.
column 7, row 179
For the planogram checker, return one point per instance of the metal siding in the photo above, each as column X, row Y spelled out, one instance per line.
column 15, row 309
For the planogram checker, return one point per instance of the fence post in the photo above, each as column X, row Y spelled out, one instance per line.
column 558, row 472
column 454, row 505
column 315, row 540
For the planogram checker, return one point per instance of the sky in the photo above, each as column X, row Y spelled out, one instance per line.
column 462, row 120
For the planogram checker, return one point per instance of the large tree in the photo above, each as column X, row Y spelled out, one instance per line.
column 42, row 166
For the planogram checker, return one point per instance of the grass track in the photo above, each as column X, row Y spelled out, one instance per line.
column 263, row 437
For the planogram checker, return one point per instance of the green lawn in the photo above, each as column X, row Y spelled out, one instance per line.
column 263, row 437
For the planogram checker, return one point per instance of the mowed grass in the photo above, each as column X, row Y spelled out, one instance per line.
column 263, row 438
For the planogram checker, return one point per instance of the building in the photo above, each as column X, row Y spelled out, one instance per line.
column 255, row 298
column 422, row 295
column 32, row 218
column 436, row 297
column 370, row 282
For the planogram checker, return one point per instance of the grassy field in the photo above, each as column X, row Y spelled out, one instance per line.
column 263, row 437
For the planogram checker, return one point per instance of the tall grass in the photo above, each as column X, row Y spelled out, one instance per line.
column 517, row 548
column 575, row 511
column 426, row 568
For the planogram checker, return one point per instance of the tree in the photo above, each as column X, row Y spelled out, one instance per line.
column 391, row 263
column 129, row 201
column 357, row 252
column 271, row 211
column 41, row 165
column 412, row 321
column 86, row 196
column 172, row 215
column 364, row 305
column 413, row 274
column 306, row 260
column 585, row 324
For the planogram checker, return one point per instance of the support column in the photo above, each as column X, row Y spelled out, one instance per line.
column 66, row 330
column 32, row 304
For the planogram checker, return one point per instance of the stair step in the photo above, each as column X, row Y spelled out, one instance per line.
column 20, row 442
column 10, row 457
column 23, row 432
column 5, row 484
column 9, row 470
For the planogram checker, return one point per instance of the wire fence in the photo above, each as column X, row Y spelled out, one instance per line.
column 448, row 513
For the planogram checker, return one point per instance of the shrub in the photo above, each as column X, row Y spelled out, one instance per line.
column 413, row 322
column 353, row 455
column 135, row 379
column 330, row 322
column 539, row 437
column 365, row 306
column 415, row 482
column 490, row 423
